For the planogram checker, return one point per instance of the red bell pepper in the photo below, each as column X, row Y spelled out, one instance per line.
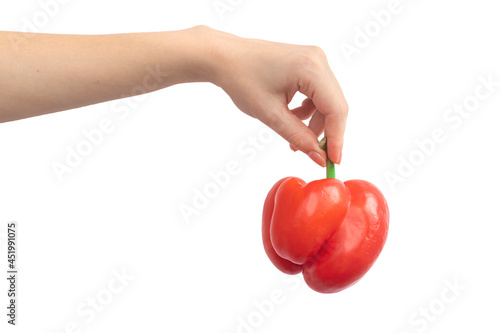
column 330, row 231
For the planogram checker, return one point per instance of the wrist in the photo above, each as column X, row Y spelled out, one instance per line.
column 198, row 58
column 212, row 53
column 184, row 54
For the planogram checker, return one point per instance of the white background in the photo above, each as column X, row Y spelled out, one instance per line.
column 119, row 209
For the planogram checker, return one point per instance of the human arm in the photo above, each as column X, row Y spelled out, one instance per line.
column 45, row 73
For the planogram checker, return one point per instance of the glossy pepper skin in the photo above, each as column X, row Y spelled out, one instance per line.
column 330, row 231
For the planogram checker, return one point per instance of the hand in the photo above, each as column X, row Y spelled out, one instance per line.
column 262, row 77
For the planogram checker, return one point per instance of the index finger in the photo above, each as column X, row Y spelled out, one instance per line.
column 330, row 101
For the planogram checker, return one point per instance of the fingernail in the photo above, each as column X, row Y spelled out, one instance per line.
column 338, row 158
column 316, row 157
column 292, row 147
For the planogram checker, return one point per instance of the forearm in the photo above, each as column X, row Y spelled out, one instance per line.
column 46, row 73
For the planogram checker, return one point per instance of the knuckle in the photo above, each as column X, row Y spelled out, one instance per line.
column 318, row 55
column 311, row 57
column 344, row 108
column 317, row 51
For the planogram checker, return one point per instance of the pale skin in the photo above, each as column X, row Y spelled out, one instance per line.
column 46, row 73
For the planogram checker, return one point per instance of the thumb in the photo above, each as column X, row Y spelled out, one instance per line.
column 288, row 126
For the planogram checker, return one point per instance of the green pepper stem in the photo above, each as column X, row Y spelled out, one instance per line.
column 330, row 166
